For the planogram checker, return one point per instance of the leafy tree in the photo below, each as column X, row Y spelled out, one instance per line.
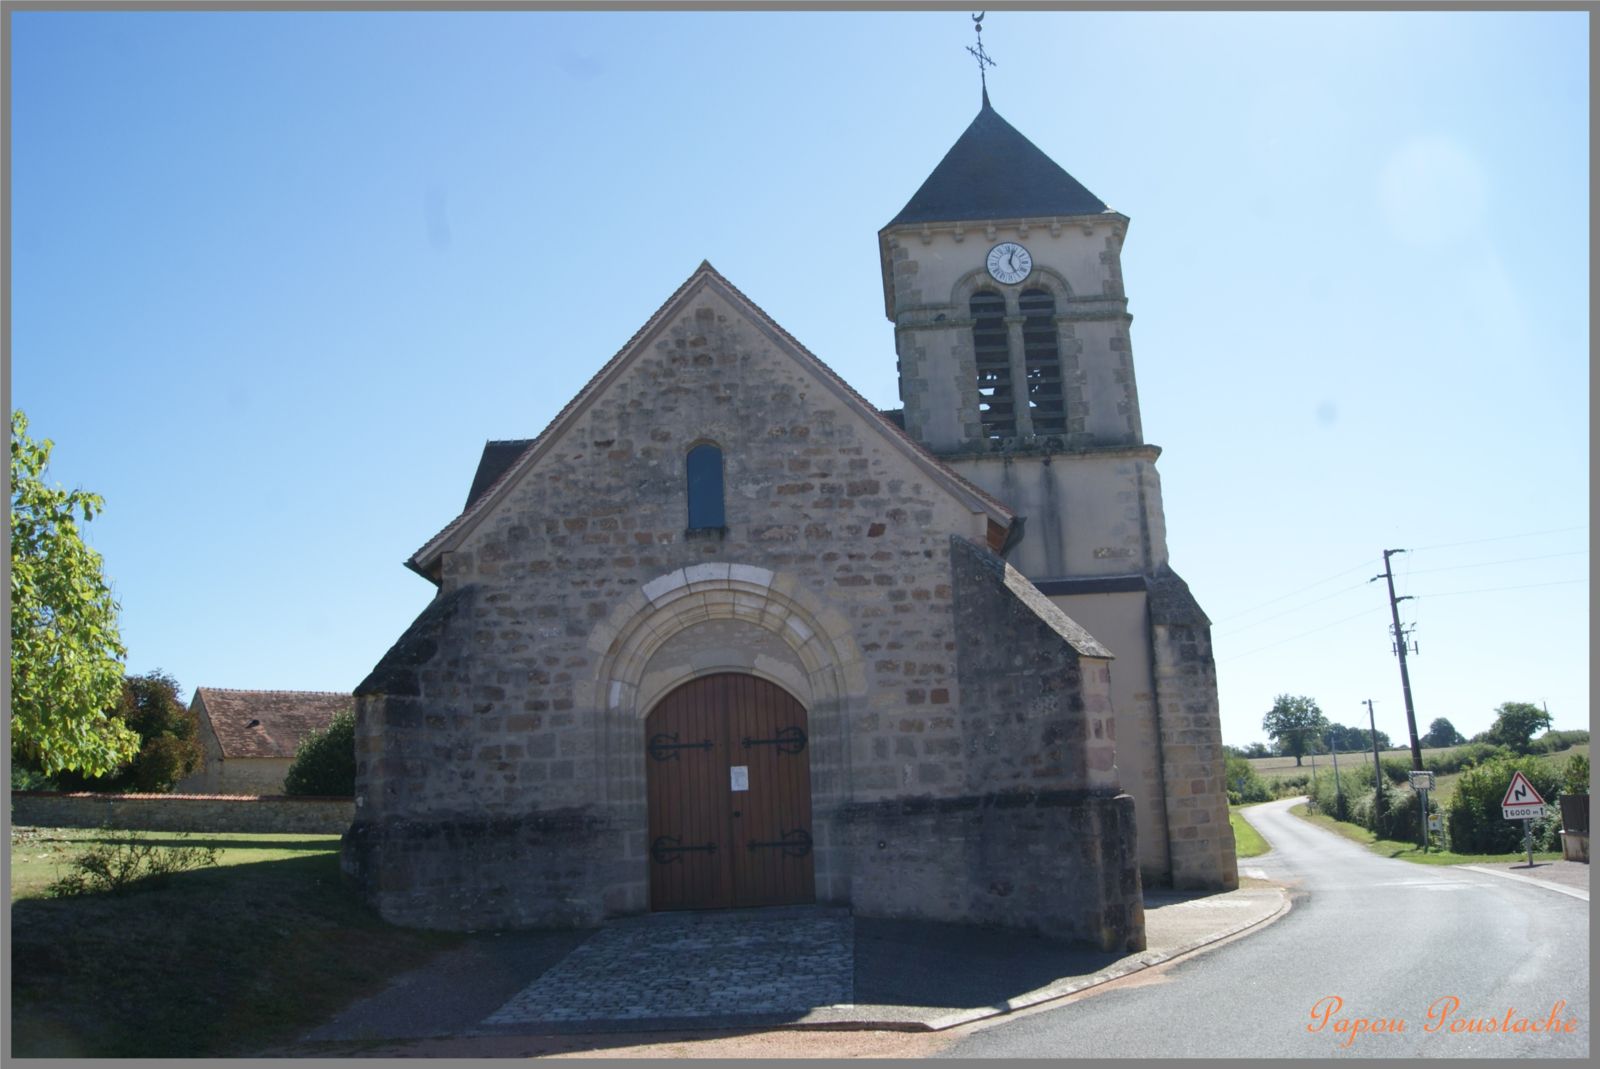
column 169, row 739
column 1347, row 738
column 1295, row 723
column 66, row 654
column 1257, row 749
column 1442, row 733
column 325, row 761
column 1515, row 724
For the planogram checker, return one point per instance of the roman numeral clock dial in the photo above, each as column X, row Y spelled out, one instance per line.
column 1009, row 263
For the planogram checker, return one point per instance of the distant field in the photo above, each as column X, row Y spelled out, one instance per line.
column 1272, row 769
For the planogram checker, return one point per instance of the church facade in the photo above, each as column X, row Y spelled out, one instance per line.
column 726, row 635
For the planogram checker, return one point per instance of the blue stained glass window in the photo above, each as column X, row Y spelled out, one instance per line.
column 705, row 487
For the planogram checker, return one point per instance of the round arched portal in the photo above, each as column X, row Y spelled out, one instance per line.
column 707, row 620
column 728, row 783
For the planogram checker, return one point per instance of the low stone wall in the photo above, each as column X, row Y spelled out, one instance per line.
column 183, row 812
column 1063, row 864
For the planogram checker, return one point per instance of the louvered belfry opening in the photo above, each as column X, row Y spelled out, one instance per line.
column 1042, row 357
column 996, row 404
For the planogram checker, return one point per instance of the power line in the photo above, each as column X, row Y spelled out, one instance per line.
column 1273, row 601
column 1303, row 634
column 1496, row 589
column 1488, row 563
column 1297, row 608
column 1503, row 538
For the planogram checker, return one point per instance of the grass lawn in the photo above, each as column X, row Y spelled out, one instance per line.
column 214, row 962
column 1408, row 851
column 1247, row 841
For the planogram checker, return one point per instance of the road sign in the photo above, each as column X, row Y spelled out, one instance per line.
column 1521, row 802
column 1422, row 781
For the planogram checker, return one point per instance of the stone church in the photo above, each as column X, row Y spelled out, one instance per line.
column 727, row 635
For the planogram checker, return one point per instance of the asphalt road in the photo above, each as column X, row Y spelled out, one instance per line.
column 1429, row 954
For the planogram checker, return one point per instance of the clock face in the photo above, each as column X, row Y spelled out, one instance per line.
column 1009, row 263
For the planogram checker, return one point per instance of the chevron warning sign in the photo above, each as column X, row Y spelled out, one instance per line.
column 1521, row 802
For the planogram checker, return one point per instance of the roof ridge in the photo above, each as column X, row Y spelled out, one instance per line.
column 241, row 690
column 704, row 272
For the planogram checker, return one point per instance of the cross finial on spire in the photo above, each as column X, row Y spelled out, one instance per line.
column 981, row 56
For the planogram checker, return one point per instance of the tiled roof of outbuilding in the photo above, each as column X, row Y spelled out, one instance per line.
column 267, row 723
column 993, row 172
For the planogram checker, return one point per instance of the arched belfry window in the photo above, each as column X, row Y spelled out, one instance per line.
column 996, row 406
column 704, row 466
column 1042, row 357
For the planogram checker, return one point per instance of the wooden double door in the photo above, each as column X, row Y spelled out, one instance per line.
column 728, row 774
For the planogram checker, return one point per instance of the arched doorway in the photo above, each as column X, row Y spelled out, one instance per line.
column 728, row 777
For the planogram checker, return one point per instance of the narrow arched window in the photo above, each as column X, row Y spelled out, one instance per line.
column 1047, row 409
column 704, row 465
column 996, row 407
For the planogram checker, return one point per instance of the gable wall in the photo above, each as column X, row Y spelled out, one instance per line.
column 812, row 492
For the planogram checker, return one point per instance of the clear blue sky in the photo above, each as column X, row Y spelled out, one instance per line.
column 276, row 278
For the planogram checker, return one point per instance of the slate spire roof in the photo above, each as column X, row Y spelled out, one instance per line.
column 993, row 172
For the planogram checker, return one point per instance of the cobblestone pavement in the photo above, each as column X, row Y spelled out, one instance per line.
column 767, row 963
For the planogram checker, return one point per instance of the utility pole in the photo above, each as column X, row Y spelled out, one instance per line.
column 1338, row 788
column 1377, row 766
column 1400, row 649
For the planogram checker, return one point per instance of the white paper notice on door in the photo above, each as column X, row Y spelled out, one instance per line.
column 739, row 777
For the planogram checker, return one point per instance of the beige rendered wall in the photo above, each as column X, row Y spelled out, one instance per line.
column 1121, row 624
column 1087, row 514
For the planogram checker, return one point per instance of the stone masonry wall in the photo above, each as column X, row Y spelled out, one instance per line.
column 1041, row 838
column 172, row 812
column 495, row 735
column 1193, row 763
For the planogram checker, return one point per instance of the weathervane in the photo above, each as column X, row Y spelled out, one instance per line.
column 981, row 56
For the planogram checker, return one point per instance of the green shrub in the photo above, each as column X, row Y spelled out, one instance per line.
column 1464, row 757
column 1290, row 785
column 1556, row 741
column 26, row 779
column 1400, row 818
column 1244, row 785
column 1575, row 775
column 325, row 761
column 1397, row 769
column 1475, row 822
column 128, row 862
column 1337, row 796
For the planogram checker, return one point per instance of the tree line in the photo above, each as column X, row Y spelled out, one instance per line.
column 1297, row 727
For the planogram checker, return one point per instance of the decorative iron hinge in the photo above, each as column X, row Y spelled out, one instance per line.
column 662, row 852
column 789, row 740
column 796, row 843
column 664, row 746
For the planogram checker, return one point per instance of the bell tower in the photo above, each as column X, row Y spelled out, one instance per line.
column 1003, row 278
